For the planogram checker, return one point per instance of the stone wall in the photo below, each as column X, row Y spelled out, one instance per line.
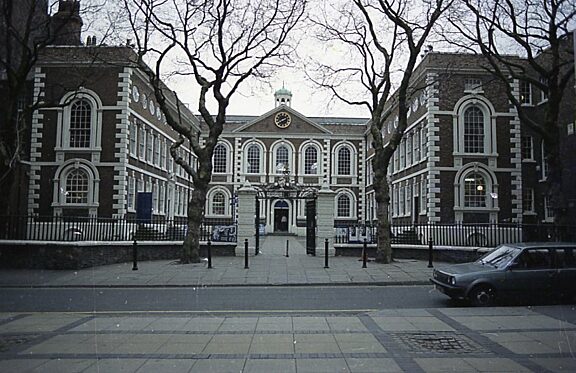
column 77, row 255
column 449, row 254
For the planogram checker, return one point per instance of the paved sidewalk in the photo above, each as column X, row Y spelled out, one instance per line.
column 270, row 267
column 499, row 339
column 414, row 340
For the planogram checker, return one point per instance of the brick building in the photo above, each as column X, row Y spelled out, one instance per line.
column 465, row 156
column 102, row 138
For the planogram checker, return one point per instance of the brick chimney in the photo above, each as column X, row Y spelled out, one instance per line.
column 66, row 24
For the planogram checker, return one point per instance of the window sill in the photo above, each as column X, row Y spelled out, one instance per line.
column 474, row 91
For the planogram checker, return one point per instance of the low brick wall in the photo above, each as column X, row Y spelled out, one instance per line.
column 77, row 255
column 450, row 254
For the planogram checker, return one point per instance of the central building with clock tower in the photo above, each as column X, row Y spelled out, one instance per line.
column 283, row 143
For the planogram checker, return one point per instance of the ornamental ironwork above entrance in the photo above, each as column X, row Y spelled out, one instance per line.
column 283, row 188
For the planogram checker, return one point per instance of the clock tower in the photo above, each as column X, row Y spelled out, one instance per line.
column 283, row 97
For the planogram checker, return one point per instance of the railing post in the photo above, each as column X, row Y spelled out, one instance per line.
column 430, row 243
column 134, row 255
column 246, row 253
column 209, row 243
column 326, row 253
column 287, row 246
column 364, row 254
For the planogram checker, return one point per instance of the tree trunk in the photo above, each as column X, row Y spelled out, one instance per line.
column 382, row 195
column 191, row 247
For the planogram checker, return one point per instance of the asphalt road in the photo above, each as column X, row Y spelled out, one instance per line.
column 214, row 299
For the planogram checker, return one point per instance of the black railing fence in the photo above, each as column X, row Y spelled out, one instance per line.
column 458, row 234
column 59, row 228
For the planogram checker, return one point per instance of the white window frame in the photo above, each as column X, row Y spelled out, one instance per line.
column 131, row 195
column 226, row 163
column 162, row 197
column 351, row 199
column 274, row 152
column 335, row 159
column 60, row 186
column 489, row 129
column 548, row 213
column 210, row 202
column 482, row 137
column 141, row 142
column 157, row 149
column 543, row 163
column 302, row 157
column 473, row 85
column 525, row 101
column 133, row 139
column 522, row 148
column 163, row 164
column 149, row 145
column 528, row 196
column 64, row 116
column 423, row 143
column 261, row 154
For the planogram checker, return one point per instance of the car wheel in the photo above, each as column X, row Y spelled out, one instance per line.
column 482, row 296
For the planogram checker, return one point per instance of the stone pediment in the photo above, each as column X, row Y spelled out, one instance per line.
column 299, row 124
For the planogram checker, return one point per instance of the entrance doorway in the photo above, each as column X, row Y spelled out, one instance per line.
column 281, row 209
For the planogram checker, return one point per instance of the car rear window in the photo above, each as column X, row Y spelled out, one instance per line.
column 566, row 257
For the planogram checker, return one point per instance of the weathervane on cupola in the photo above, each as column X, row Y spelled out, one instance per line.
column 283, row 97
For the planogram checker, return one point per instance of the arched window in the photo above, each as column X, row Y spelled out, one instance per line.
column 474, row 190
column 80, row 124
column 310, row 160
column 282, row 158
column 218, row 203
column 343, row 206
column 344, row 166
column 219, row 161
column 77, row 187
column 473, row 130
column 253, row 159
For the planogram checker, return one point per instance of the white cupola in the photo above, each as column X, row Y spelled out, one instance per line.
column 283, row 97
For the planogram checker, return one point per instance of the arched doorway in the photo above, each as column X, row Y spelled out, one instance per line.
column 281, row 216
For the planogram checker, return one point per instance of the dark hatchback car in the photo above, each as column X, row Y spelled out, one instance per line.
column 512, row 271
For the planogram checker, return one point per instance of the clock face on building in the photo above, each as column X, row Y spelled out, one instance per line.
column 282, row 119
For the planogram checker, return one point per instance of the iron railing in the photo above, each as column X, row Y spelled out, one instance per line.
column 60, row 228
column 458, row 234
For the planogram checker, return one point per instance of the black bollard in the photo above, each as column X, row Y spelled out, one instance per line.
column 326, row 253
column 246, row 253
column 209, row 253
column 430, row 243
column 287, row 245
column 364, row 254
column 134, row 255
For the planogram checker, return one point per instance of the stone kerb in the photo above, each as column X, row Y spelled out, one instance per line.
column 325, row 220
column 246, row 216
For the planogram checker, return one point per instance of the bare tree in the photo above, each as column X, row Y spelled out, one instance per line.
column 220, row 44
column 539, row 33
column 382, row 41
